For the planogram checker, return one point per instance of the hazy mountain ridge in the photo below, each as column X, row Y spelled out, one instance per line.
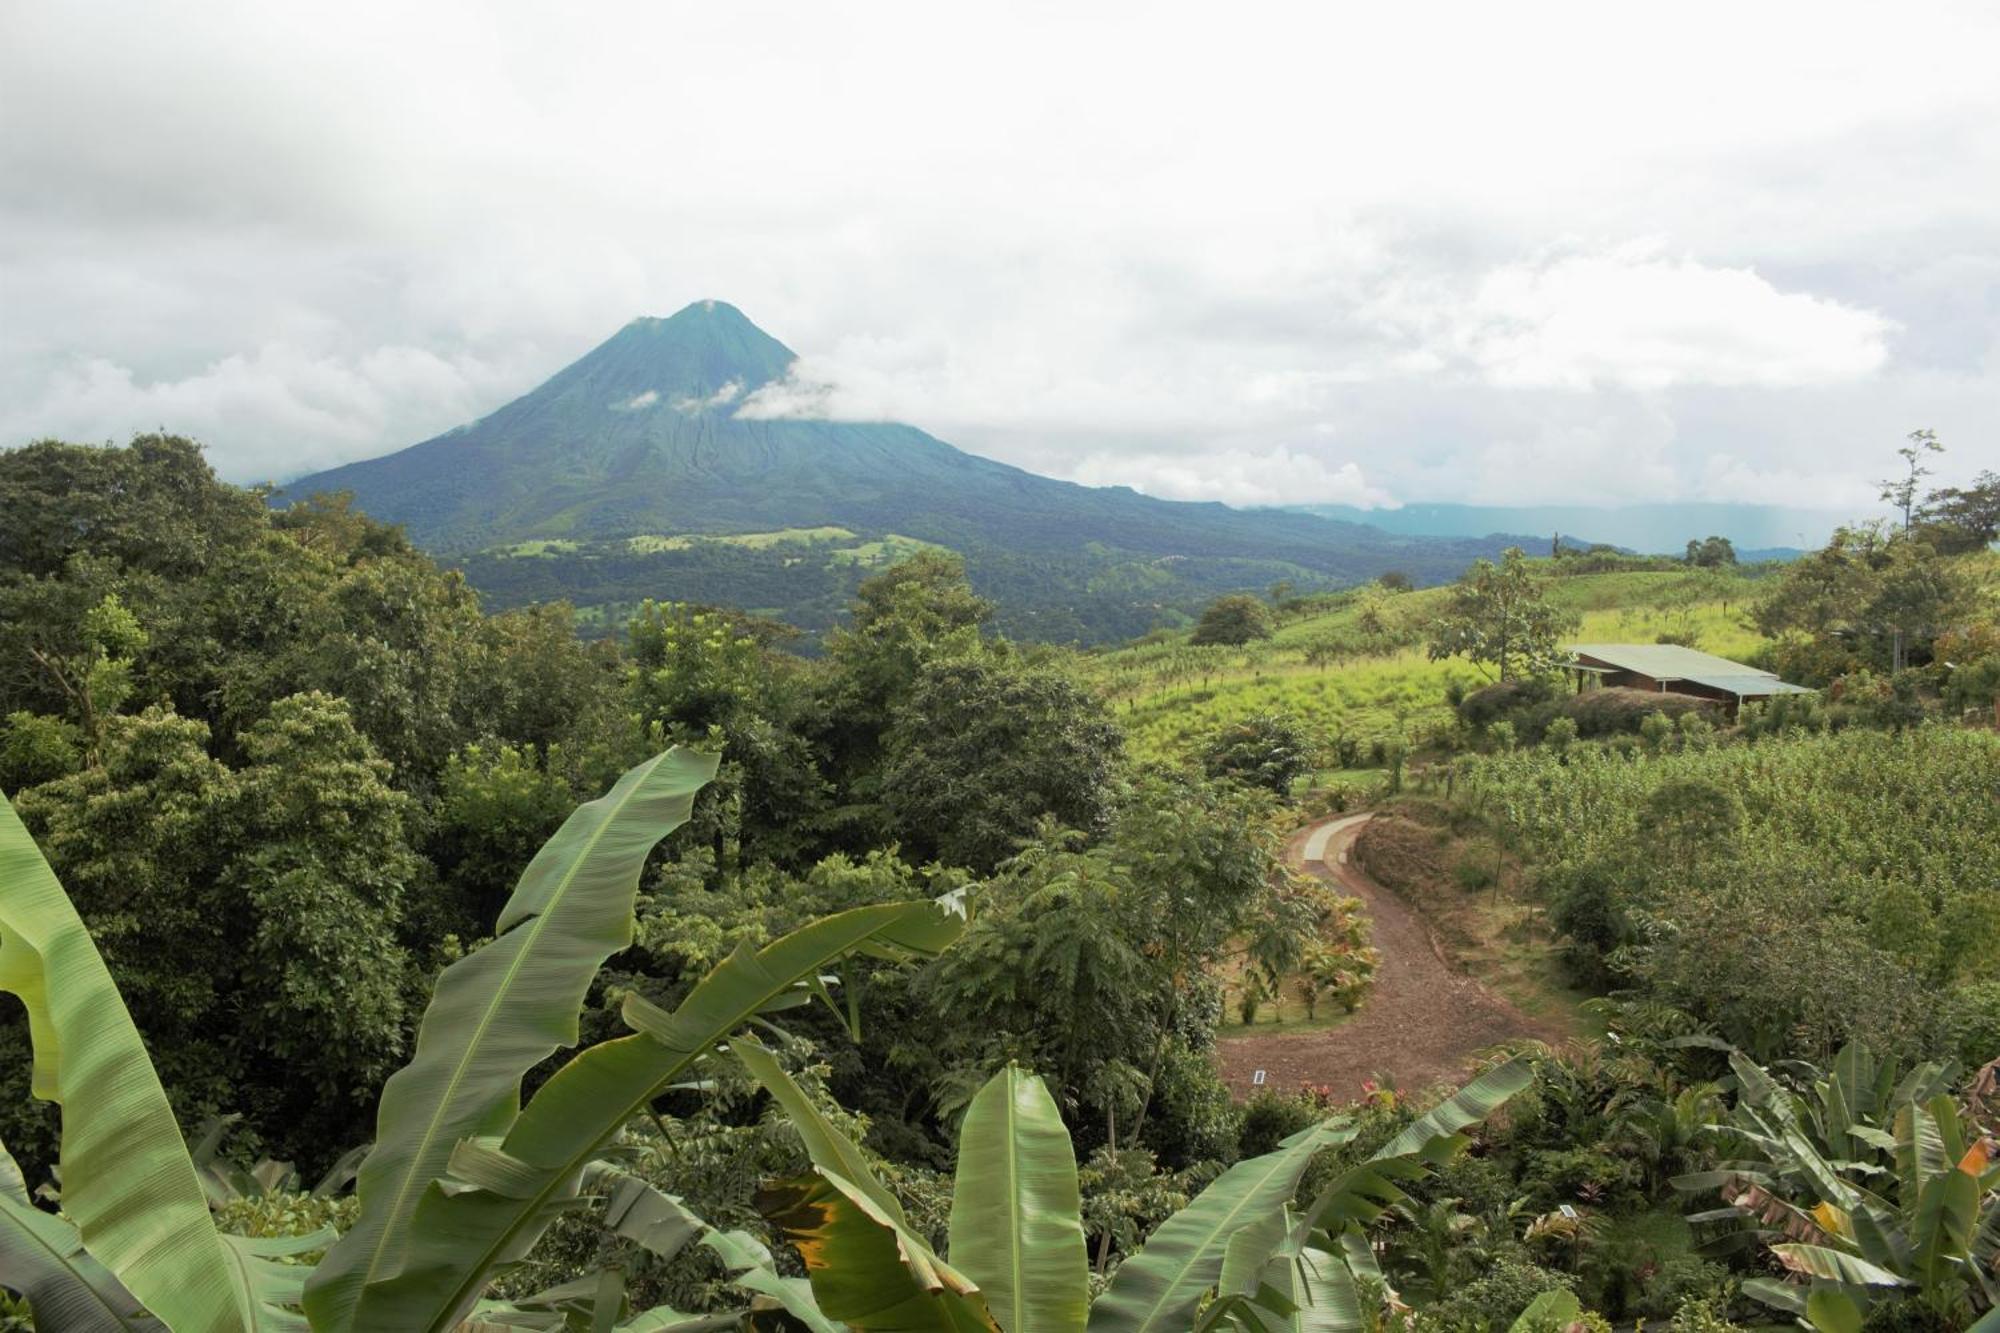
column 1662, row 528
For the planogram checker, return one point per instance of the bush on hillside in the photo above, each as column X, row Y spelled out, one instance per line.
column 1503, row 699
column 1616, row 709
column 1268, row 750
column 1233, row 621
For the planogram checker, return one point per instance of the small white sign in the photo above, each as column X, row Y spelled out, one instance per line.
column 1257, row 1079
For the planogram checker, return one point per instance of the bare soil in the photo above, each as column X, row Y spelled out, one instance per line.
column 1423, row 1020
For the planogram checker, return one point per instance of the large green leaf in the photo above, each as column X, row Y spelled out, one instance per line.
column 1942, row 1226
column 42, row 1258
column 751, row 1267
column 1831, row 1265
column 1359, row 1194
column 665, row 1226
column 868, row 1269
column 1015, row 1223
column 274, row 1288
column 499, row 1197
column 1275, row 1280
column 1555, row 1308
column 128, row 1182
column 1833, row 1310
column 1158, row 1288
column 501, row 1010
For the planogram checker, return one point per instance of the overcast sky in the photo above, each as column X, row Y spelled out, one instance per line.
column 1382, row 253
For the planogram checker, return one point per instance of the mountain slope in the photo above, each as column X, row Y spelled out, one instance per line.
column 643, row 436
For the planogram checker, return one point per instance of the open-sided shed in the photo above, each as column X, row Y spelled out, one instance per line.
column 1670, row 668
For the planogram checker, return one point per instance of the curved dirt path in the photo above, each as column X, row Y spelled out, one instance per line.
column 1422, row 1019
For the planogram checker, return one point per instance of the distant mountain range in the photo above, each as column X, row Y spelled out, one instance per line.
column 634, row 472
column 1775, row 530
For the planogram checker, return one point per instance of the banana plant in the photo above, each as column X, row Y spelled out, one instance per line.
column 1238, row 1255
column 1871, row 1186
column 462, row 1178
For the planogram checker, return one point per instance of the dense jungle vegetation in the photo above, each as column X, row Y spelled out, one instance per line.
column 680, row 981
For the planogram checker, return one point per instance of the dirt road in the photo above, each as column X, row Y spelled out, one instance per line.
column 1422, row 1019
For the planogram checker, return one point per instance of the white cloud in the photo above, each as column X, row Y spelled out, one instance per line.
column 639, row 402
column 268, row 415
column 722, row 397
column 1235, row 476
column 1635, row 320
column 1181, row 250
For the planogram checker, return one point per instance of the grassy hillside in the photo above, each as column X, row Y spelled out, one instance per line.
column 1340, row 679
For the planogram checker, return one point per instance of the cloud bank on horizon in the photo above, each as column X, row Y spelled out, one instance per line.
column 1273, row 253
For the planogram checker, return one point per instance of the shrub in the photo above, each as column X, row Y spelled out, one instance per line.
column 1269, row 750
column 1973, row 1023
column 1271, row 1117
column 1232, row 621
column 1483, row 707
column 1473, row 872
column 1494, row 1299
column 1194, row 1119
column 1615, row 709
column 1654, row 729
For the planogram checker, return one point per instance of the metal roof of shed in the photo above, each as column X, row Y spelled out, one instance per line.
column 1668, row 662
column 1746, row 687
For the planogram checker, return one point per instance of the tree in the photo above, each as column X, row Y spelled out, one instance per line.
column 1266, row 750
column 1711, row 552
column 252, row 914
column 918, row 610
column 985, row 749
column 1902, row 491
column 1956, row 519
column 1232, row 621
column 1499, row 616
column 1395, row 580
column 1918, row 595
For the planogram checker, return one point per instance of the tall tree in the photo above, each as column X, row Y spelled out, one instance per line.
column 1902, row 491
column 1964, row 518
column 1500, row 616
column 985, row 750
column 1234, row 620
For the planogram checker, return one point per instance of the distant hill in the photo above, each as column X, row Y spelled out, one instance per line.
column 622, row 476
column 1651, row 529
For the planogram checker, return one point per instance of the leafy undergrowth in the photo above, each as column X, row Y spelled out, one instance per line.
column 1476, row 902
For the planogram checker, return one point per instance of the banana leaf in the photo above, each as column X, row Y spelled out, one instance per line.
column 1359, row 1194
column 1831, row 1265
column 752, row 1269
column 1556, row 1308
column 868, row 1269
column 1160, row 1287
column 1832, row 1310
column 128, row 1182
column 1016, row 1228
column 1942, row 1227
column 466, row 1228
column 501, row 1010
column 42, row 1258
